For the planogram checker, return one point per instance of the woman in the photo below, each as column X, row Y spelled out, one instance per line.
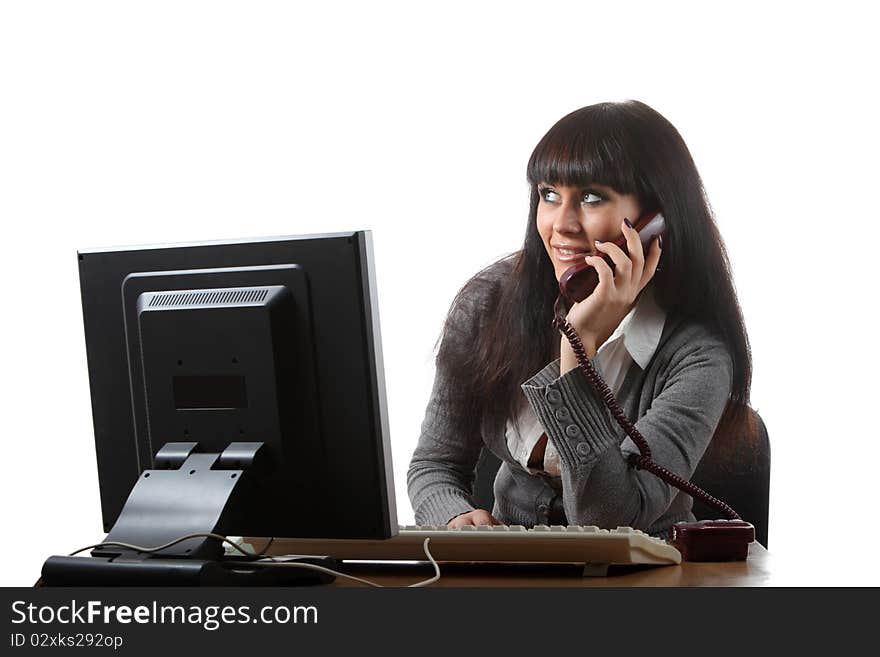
column 669, row 340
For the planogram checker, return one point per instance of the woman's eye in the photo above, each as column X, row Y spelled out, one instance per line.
column 549, row 196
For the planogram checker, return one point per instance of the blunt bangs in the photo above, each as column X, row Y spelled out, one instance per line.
column 589, row 146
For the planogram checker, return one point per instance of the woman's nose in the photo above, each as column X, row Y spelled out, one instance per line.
column 568, row 220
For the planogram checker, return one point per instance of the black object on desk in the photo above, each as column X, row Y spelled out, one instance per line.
column 235, row 386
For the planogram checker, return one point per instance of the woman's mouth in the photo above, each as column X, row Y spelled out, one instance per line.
column 569, row 255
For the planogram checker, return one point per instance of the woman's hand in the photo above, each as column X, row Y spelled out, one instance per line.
column 475, row 517
column 596, row 317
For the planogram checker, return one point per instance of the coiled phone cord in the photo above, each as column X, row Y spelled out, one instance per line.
column 643, row 459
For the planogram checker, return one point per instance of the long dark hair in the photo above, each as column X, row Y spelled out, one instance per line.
column 631, row 148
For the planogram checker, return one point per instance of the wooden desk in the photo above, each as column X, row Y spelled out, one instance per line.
column 756, row 571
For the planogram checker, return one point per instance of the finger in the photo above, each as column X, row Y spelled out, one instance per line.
column 460, row 520
column 634, row 247
column 606, row 276
column 622, row 263
column 486, row 518
column 482, row 518
column 651, row 262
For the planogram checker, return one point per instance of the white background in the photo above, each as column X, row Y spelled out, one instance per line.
column 132, row 123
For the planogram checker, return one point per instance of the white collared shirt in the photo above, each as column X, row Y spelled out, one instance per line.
column 634, row 340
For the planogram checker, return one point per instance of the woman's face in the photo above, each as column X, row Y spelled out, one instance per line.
column 570, row 219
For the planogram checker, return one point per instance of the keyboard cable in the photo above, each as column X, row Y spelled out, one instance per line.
column 259, row 558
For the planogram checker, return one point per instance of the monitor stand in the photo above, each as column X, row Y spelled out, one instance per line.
column 188, row 492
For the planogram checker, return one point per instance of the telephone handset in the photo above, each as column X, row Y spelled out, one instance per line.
column 717, row 540
column 579, row 281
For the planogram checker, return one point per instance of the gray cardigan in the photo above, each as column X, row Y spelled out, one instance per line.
column 677, row 403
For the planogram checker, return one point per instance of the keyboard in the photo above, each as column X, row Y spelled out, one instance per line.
column 496, row 543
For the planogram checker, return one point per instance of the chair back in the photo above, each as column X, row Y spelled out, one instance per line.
column 738, row 475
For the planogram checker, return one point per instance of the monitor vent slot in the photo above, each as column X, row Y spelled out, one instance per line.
column 208, row 298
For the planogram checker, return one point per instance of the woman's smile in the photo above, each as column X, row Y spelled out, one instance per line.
column 569, row 254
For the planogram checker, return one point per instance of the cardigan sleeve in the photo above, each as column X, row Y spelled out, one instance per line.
column 441, row 473
column 598, row 485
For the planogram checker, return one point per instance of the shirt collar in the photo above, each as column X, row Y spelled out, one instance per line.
column 641, row 328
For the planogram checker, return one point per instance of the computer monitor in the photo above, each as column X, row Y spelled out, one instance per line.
column 237, row 387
